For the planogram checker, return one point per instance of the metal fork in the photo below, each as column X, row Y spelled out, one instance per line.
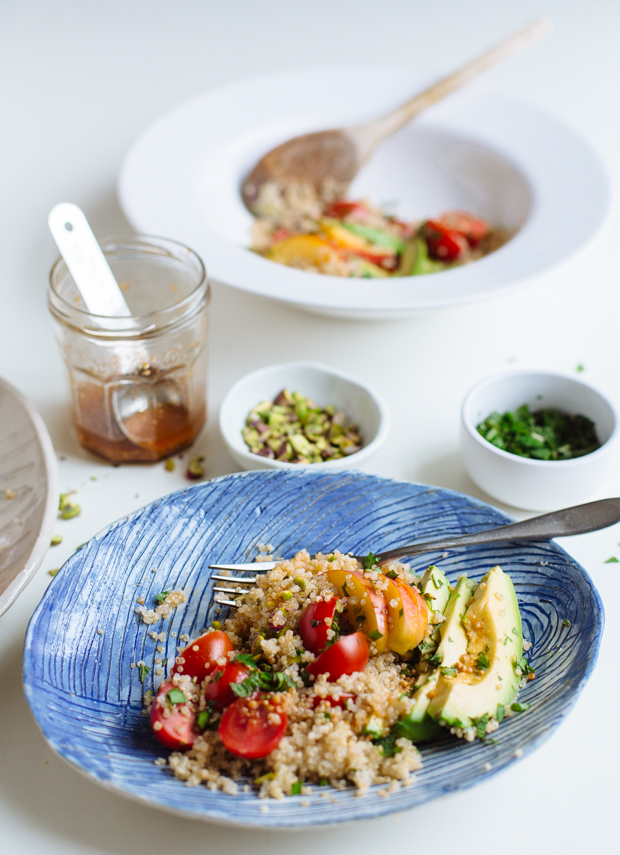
column 579, row 519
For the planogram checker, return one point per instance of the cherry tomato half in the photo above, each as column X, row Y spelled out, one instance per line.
column 177, row 730
column 202, row 654
column 443, row 243
column 472, row 228
column 252, row 727
column 333, row 702
column 312, row 626
column 341, row 209
column 348, row 655
column 218, row 690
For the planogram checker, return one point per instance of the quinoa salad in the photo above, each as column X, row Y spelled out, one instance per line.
column 340, row 237
column 329, row 673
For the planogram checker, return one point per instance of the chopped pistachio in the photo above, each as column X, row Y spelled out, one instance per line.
column 67, row 508
column 169, row 465
column 295, row 430
column 54, row 571
column 56, row 539
column 195, row 470
column 300, row 582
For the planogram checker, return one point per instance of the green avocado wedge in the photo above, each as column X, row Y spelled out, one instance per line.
column 495, row 644
column 423, row 264
column 418, row 726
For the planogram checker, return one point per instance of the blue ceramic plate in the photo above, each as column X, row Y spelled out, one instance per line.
column 85, row 633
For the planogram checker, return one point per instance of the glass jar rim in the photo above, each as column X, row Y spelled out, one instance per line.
column 133, row 325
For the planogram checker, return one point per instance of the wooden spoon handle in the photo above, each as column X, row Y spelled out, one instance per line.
column 375, row 132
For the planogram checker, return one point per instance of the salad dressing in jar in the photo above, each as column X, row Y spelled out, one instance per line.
column 138, row 383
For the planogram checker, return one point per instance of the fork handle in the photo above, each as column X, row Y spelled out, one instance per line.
column 576, row 520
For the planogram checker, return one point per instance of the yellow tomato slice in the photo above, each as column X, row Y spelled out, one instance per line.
column 407, row 616
column 366, row 608
column 303, row 251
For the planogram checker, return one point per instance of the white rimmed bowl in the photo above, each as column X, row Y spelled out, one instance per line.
column 325, row 386
column 528, row 483
column 486, row 152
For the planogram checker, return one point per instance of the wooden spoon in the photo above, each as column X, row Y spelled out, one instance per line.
column 337, row 155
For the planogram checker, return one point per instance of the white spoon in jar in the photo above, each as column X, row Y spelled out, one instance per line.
column 135, row 394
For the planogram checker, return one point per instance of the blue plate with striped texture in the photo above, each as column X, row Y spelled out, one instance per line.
column 85, row 632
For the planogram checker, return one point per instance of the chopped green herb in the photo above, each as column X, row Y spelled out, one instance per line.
column 515, row 631
column 247, row 659
column 143, row 671
column 579, row 368
column 481, row 726
column 360, row 618
column 482, row 662
column 262, row 681
column 450, row 640
column 387, row 744
column 176, row 696
column 204, row 717
column 516, row 707
column 391, row 574
column 375, row 635
column 566, row 623
column 296, row 788
column 323, row 782
column 546, row 434
column 448, row 672
column 501, row 712
column 371, row 561
column 161, row 597
column 612, row 560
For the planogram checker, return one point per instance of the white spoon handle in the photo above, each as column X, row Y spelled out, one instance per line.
column 86, row 262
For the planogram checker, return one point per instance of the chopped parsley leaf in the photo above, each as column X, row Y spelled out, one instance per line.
column 481, row 726
column 482, row 662
column 176, row 696
column 161, row 597
column 371, row 560
column 143, row 670
column 375, row 635
column 296, row 788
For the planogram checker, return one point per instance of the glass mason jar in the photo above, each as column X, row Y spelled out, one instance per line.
column 138, row 383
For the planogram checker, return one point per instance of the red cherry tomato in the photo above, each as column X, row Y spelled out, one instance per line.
column 252, row 727
column 472, row 228
column 348, row 655
column 218, row 691
column 332, row 702
column 341, row 209
column 202, row 654
column 312, row 626
column 443, row 243
column 177, row 730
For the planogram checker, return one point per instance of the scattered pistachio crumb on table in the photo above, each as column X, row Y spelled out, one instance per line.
column 169, row 465
column 56, row 540
column 195, row 470
column 67, row 508
column 54, row 571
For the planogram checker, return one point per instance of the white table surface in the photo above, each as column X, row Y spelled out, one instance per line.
column 78, row 81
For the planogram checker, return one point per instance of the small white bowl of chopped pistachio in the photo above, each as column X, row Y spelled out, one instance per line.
column 538, row 440
column 302, row 414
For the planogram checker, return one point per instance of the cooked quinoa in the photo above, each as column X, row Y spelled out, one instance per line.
column 322, row 744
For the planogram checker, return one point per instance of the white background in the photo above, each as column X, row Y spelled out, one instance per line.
column 78, row 81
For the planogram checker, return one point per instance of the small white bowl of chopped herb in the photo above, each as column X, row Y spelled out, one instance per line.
column 302, row 414
column 538, row 440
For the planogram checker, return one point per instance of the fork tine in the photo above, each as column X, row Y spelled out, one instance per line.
column 231, row 590
column 254, row 567
column 243, row 580
column 223, row 601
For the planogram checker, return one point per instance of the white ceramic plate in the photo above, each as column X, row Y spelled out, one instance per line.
column 28, row 493
column 484, row 152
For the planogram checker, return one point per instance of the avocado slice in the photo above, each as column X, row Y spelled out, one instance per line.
column 376, row 236
column 418, row 726
column 423, row 263
column 494, row 646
